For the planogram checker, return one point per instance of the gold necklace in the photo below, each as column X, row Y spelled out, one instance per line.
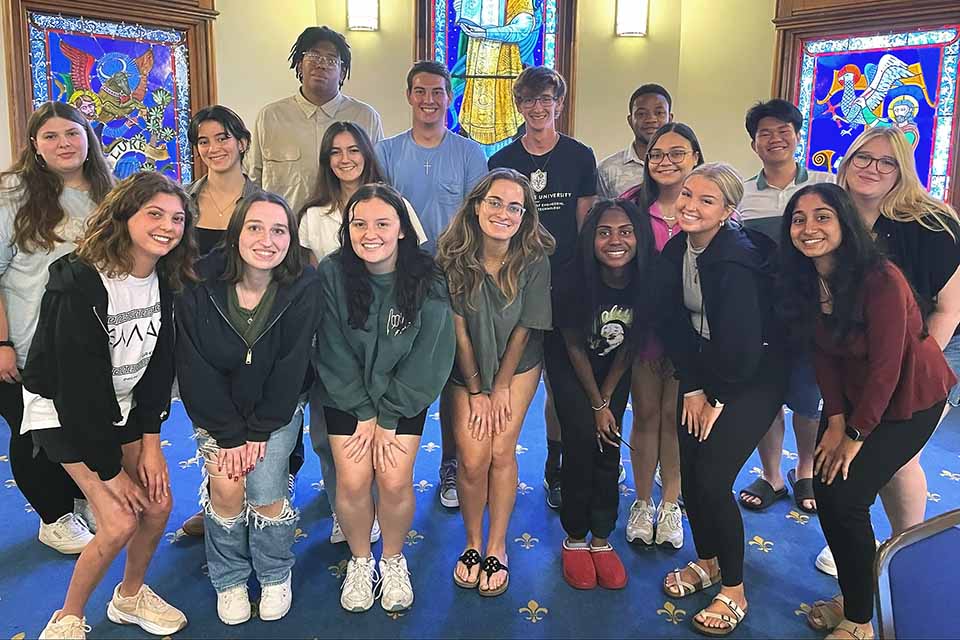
column 221, row 210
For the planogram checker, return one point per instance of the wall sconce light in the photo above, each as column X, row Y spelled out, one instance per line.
column 363, row 15
column 632, row 17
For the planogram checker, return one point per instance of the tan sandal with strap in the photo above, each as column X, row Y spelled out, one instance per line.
column 852, row 629
column 730, row 620
column 825, row 615
column 687, row 588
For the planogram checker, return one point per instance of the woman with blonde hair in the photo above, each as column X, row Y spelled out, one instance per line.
column 718, row 327
column 919, row 234
column 495, row 256
column 97, row 388
column 45, row 199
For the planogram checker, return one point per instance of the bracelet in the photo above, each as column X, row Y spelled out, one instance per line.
column 603, row 405
column 474, row 375
column 7, row 343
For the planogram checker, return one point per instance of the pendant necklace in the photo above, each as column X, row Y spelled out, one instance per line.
column 221, row 210
column 538, row 179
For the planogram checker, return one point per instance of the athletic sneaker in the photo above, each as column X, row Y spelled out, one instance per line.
column 233, row 605
column 640, row 522
column 292, row 486
column 395, row 588
column 275, row 600
column 82, row 508
column 147, row 610
column 554, row 496
column 68, row 535
column 336, row 535
column 67, row 628
column 448, row 484
column 356, row 593
column 825, row 562
column 669, row 524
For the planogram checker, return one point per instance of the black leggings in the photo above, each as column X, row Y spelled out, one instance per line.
column 708, row 469
column 844, row 506
column 45, row 484
column 588, row 477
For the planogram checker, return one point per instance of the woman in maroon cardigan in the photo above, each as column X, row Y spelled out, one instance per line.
column 884, row 382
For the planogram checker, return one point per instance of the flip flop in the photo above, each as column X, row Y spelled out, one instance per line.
column 802, row 490
column 469, row 558
column 490, row 566
column 763, row 490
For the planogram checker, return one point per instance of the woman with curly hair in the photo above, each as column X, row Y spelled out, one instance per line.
column 97, row 387
column 495, row 255
column 385, row 348
column 45, row 199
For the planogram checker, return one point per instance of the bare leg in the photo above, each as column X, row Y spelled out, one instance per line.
column 395, row 503
column 354, row 496
column 503, row 473
column 646, row 389
column 472, row 476
column 669, row 445
column 805, row 431
column 771, row 451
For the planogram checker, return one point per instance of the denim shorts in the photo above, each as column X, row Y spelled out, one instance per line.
column 952, row 354
column 803, row 394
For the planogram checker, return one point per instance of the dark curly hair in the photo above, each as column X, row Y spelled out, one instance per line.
column 416, row 272
column 309, row 39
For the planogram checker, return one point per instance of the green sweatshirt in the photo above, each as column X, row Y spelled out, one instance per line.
column 382, row 371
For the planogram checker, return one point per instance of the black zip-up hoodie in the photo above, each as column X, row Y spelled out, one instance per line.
column 235, row 391
column 69, row 363
column 736, row 281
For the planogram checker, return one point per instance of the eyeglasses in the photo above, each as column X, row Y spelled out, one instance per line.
column 321, row 60
column 496, row 205
column 885, row 166
column 676, row 156
column 546, row 100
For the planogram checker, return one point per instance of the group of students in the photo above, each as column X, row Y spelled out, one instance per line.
column 365, row 300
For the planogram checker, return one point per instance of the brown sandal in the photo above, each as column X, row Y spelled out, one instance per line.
column 825, row 615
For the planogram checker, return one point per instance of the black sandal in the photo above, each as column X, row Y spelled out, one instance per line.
column 490, row 566
column 469, row 558
column 802, row 490
column 762, row 490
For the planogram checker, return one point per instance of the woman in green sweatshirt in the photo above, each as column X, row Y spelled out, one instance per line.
column 384, row 351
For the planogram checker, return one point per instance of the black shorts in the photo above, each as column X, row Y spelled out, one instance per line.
column 61, row 449
column 340, row 423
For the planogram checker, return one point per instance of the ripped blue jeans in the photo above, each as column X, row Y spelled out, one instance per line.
column 250, row 541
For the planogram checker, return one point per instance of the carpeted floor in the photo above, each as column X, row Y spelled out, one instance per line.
column 781, row 546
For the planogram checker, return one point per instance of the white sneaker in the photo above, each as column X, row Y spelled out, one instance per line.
column 395, row 588
column 356, row 593
column 82, row 508
column 233, row 605
column 670, row 524
column 640, row 522
column 275, row 600
column 67, row 628
column 336, row 535
column 67, row 535
column 825, row 562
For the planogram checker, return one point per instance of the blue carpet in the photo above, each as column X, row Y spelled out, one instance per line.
column 781, row 579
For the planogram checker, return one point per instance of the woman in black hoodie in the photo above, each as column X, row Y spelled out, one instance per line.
column 97, row 386
column 242, row 356
column 717, row 327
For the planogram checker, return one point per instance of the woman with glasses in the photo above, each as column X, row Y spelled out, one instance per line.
column 674, row 152
column 495, row 255
column 919, row 234
column 717, row 324
column 883, row 378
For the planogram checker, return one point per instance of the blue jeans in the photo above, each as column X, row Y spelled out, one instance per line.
column 952, row 354
column 249, row 540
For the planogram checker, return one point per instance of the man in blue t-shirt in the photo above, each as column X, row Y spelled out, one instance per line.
column 435, row 169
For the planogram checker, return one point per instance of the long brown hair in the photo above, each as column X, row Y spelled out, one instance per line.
column 327, row 191
column 106, row 243
column 289, row 268
column 460, row 247
column 35, row 224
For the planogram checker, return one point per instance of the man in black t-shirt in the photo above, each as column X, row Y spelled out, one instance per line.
column 563, row 173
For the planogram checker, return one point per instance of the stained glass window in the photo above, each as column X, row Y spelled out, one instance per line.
column 485, row 44
column 906, row 80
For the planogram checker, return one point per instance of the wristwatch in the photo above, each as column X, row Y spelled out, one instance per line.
column 853, row 434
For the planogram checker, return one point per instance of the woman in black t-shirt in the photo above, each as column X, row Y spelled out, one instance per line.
column 596, row 312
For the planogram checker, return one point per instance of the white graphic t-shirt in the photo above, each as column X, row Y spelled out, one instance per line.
column 132, row 325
